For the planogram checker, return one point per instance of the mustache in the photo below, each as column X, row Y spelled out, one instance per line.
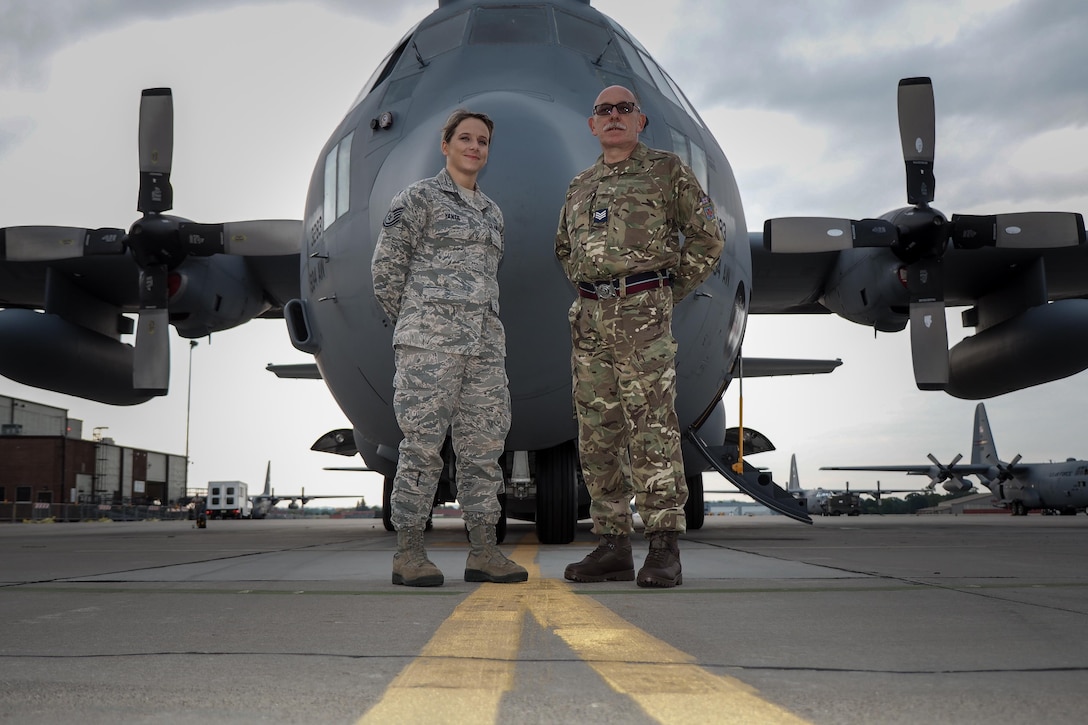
column 616, row 125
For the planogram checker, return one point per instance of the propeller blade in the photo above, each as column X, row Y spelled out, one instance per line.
column 796, row 235
column 1024, row 230
column 151, row 356
column 928, row 328
column 261, row 238
column 46, row 244
column 156, row 150
column 929, row 345
column 917, row 133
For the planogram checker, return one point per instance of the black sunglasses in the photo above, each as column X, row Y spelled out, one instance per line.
column 605, row 109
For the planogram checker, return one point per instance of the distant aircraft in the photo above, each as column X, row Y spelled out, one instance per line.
column 812, row 499
column 1019, row 487
column 266, row 500
column 68, row 293
column 815, row 500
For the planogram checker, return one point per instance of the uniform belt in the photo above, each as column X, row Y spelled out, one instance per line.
column 624, row 286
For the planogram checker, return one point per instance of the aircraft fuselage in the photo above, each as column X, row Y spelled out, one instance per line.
column 536, row 71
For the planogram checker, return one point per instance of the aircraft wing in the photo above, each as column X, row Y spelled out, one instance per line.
column 754, row 367
column 790, row 284
column 949, row 476
column 304, row 371
column 761, row 367
column 920, row 470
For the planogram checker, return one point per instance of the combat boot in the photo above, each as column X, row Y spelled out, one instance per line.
column 610, row 561
column 662, row 565
column 486, row 563
column 411, row 567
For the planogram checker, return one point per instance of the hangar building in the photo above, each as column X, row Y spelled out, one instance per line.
column 45, row 459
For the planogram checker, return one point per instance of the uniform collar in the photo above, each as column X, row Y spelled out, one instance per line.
column 445, row 182
column 633, row 162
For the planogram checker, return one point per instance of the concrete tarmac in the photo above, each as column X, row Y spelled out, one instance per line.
column 897, row 619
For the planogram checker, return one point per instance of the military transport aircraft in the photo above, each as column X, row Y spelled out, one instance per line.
column 815, row 500
column 267, row 499
column 1019, row 487
column 534, row 67
column 811, row 499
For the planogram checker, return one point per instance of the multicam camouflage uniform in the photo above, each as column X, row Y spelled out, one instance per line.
column 620, row 220
column 435, row 273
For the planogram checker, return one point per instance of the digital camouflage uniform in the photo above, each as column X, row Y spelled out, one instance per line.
column 435, row 272
column 620, row 220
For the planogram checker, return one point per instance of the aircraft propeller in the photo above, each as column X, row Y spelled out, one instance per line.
column 920, row 235
column 1002, row 471
column 940, row 473
column 157, row 242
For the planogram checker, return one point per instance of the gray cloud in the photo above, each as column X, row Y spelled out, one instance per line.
column 1010, row 73
column 31, row 30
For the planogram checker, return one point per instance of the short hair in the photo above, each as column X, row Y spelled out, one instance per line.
column 460, row 115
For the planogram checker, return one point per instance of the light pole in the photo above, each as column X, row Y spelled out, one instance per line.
column 188, row 405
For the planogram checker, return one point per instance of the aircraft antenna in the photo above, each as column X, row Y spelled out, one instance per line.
column 597, row 60
column 419, row 56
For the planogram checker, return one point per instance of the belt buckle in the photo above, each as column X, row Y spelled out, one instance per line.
column 605, row 290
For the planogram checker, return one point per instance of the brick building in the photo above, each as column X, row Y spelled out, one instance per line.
column 45, row 459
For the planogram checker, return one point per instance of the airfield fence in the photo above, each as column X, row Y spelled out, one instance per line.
column 28, row 512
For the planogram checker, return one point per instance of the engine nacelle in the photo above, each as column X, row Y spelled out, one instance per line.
column 955, row 485
column 209, row 294
column 1044, row 343
column 45, row 351
column 852, row 294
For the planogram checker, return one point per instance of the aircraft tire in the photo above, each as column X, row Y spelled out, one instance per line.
column 695, row 507
column 557, row 494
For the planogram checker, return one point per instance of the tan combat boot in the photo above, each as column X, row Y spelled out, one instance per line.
column 486, row 563
column 662, row 565
column 411, row 567
column 610, row 561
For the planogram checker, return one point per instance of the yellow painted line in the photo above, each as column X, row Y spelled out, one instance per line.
column 469, row 663
column 462, row 673
column 664, row 681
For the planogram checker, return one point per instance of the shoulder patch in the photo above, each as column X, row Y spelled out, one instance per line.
column 706, row 207
column 394, row 216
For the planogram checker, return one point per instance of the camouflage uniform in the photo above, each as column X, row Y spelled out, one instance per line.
column 621, row 220
column 435, row 270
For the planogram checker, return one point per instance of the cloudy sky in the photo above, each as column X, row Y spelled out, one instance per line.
column 801, row 96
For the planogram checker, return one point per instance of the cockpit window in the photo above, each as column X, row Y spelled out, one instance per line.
column 647, row 69
column 634, row 60
column 683, row 100
column 441, row 37
column 384, row 68
column 589, row 38
column 510, row 25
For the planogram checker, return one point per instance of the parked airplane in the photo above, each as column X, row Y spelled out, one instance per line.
column 267, row 499
column 812, row 499
column 1019, row 487
column 533, row 67
column 815, row 500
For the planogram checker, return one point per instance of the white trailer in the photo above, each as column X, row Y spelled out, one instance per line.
column 228, row 500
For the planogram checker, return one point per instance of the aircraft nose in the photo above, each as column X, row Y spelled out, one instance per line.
column 538, row 146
